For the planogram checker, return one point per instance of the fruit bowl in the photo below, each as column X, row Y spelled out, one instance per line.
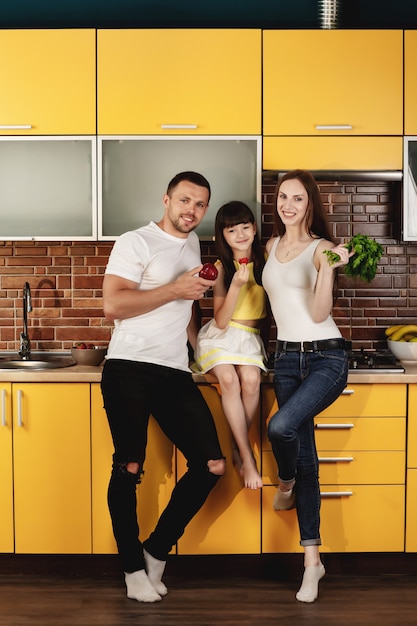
column 88, row 354
column 403, row 350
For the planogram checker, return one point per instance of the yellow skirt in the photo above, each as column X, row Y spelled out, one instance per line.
column 236, row 344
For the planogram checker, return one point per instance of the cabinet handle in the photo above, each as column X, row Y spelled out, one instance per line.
column 3, row 408
column 334, row 426
column 348, row 392
column 335, row 494
column 333, row 127
column 173, row 126
column 15, row 126
column 19, row 408
column 335, row 459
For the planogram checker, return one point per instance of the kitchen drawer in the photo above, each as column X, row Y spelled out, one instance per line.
column 370, row 400
column 365, row 518
column 412, row 426
column 357, row 468
column 358, row 433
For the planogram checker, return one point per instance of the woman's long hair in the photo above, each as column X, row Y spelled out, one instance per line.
column 316, row 218
column 229, row 215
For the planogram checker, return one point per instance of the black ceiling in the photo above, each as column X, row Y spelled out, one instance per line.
column 202, row 14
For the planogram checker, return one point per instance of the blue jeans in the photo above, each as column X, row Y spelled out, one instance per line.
column 131, row 392
column 305, row 384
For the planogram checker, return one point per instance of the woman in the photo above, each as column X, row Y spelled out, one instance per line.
column 310, row 369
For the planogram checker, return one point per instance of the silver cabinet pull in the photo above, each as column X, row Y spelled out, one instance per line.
column 19, row 408
column 335, row 494
column 333, row 126
column 336, row 459
column 15, row 126
column 348, row 392
column 3, row 408
column 334, row 426
column 174, row 126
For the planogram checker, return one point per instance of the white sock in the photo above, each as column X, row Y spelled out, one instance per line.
column 283, row 500
column 309, row 589
column 155, row 569
column 140, row 588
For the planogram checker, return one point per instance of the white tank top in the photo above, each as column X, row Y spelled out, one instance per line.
column 290, row 288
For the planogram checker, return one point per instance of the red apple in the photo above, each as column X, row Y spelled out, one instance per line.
column 208, row 271
column 244, row 261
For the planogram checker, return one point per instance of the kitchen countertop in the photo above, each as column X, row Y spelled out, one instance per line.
column 88, row 374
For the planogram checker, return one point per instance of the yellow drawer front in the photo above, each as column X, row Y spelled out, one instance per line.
column 361, row 433
column 412, row 426
column 356, row 468
column 332, row 153
column 411, row 523
column 370, row 400
column 229, row 521
column 353, row 519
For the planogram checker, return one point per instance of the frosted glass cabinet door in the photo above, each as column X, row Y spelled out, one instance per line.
column 48, row 188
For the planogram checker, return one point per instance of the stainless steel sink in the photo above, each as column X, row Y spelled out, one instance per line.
column 38, row 361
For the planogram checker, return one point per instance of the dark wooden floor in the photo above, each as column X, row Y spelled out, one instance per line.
column 211, row 598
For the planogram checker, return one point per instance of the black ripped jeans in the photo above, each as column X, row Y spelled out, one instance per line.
column 131, row 392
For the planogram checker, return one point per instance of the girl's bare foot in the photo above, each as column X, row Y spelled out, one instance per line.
column 251, row 477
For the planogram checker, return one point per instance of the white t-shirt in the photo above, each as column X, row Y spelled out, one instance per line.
column 151, row 257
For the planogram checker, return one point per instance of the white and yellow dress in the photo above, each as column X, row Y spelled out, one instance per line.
column 236, row 344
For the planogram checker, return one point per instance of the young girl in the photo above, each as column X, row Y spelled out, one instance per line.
column 230, row 345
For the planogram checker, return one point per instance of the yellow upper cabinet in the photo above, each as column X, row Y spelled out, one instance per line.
column 410, row 82
column 348, row 80
column 48, row 82
column 179, row 81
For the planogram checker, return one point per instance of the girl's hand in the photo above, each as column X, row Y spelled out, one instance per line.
column 241, row 276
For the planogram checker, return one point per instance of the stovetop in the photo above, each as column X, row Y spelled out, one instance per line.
column 381, row 361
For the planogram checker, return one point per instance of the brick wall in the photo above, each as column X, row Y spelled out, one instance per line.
column 66, row 278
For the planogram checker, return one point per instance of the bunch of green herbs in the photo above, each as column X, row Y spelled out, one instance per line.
column 364, row 262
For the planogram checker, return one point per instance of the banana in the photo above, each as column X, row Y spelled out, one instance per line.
column 392, row 329
column 398, row 334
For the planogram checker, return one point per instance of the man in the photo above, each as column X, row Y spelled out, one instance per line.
column 150, row 283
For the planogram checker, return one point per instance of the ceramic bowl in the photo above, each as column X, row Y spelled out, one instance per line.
column 89, row 356
column 403, row 350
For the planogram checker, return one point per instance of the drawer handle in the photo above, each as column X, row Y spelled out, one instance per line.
column 174, row 126
column 336, row 459
column 3, row 408
column 334, row 426
column 333, row 127
column 19, row 408
column 335, row 494
column 15, row 126
column 348, row 392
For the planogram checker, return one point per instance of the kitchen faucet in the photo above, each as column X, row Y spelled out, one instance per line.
column 24, row 338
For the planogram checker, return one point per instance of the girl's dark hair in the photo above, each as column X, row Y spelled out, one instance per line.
column 229, row 215
column 317, row 222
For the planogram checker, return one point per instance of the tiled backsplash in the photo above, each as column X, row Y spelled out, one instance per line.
column 66, row 278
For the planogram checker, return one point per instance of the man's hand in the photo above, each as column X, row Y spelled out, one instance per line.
column 190, row 286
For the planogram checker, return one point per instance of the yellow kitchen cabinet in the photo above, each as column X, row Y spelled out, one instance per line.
column 333, row 153
column 6, row 470
column 179, row 81
column 337, row 82
column 48, row 82
column 51, row 459
column 154, row 491
column 361, row 447
column 411, row 512
column 410, row 82
column 230, row 520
